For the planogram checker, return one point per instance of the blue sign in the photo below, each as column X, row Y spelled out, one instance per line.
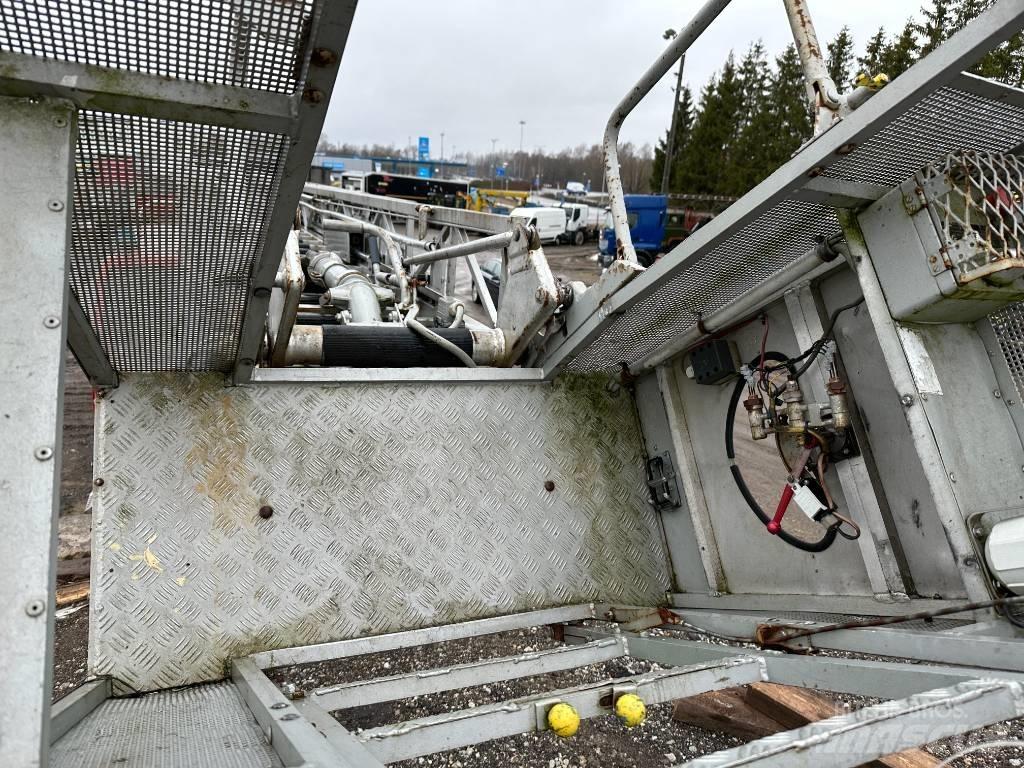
column 334, row 165
column 423, row 171
column 499, row 172
column 424, row 148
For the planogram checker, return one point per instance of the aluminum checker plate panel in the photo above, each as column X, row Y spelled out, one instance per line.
column 394, row 507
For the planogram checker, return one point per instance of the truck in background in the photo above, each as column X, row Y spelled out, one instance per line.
column 658, row 223
column 550, row 222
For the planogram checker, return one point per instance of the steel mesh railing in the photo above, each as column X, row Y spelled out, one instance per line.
column 168, row 219
column 244, row 43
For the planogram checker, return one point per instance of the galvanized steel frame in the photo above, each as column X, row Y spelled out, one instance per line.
column 36, row 162
column 939, row 68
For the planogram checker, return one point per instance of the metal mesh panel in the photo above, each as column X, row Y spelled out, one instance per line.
column 207, row 726
column 979, row 213
column 168, row 218
column 245, row 43
column 1008, row 325
column 945, row 121
column 749, row 257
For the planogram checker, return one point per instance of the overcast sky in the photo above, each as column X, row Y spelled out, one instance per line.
column 474, row 68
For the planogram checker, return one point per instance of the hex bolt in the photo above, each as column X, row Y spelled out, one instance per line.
column 35, row 608
column 549, row 485
column 313, row 96
column 51, row 321
column 907, row 400
column 996, row 393
column 266, row 511
column 322, row 57
column 978, row 531
column 43, row 453
column 55, row 205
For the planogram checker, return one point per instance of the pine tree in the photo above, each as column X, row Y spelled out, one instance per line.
column 938, row 24
column 749, row 161
column 791, row 112
column 871, row 62
column 714, row 133
column 900, row 54
column 840, row 57
column 1006, row 62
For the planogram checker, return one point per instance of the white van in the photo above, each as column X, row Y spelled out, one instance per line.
column 550, row 222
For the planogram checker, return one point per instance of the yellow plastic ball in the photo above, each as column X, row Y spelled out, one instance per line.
column 630, row 709
column 563, row 720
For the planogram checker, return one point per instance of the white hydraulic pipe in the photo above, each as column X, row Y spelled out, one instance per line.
column 623, row 242
column 489, row 243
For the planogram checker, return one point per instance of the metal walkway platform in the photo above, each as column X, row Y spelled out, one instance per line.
column 206, row 726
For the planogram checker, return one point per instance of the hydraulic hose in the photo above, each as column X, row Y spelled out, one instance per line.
column 829, row 537
column 426, row 333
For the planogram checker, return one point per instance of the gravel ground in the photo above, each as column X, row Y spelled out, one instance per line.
column 71, row 649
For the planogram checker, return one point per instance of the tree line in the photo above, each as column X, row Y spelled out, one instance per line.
column 753, row 114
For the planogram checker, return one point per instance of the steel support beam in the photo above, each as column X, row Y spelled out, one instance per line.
column 76, row 706
column 394, row 640
column 86, row 347
column 992, row 652
column 344, row 743
column 884, row 729
column 292, row 736
column 825, row 673
column 426, row 682
column 493, row 721
column 856, row 604
column 106, row 89
column 330, row 28
column 36, row 161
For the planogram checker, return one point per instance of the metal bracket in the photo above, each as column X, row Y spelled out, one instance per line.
column 662, row 483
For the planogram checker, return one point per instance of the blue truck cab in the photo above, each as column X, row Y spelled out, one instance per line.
column 646, row 227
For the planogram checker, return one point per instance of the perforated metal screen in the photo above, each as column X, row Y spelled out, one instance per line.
column 245, row 43
column 168, row 219
column 946, row 120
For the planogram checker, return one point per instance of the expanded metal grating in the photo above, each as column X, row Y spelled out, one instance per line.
column 945, row 121
column 168, row 219
column 1008, row 325
column 206, row 726
column 749, row 257
column 245, row 43
column 949, row 119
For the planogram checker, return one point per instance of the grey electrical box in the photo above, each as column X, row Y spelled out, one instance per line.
column 947, row 243
column 713, row 362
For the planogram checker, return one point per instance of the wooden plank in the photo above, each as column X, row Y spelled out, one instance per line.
column 72, row 593
column 761, row 709
column 794, row 707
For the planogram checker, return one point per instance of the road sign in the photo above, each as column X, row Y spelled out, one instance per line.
column 424, row 147
column 499, row 172
column 423, row 171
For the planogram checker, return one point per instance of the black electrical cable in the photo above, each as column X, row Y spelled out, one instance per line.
column 814, row 350
column 829, row 537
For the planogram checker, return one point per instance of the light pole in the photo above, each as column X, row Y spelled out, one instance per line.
column 442, row 147
column 666, row 170
column 522, row 127
column 494, row 145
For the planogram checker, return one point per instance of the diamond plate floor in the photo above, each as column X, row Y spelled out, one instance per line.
column 204, row 727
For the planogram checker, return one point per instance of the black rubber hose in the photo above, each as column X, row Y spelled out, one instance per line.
column 730, row 451
column 383, row 346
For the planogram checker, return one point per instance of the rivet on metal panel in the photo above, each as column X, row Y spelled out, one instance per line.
column 322, row 57
column 51, row 321
column 60, row 122
column 816, row 171
column 35, row 608
column 266, row 511
column 846, row 149
column 312, row 95
column 952, row 477
column 55, row 205
column 43, row 453
column 996, row 393
column 549, row 485
column 279, row 705
column 290, row 716
column 261, row 293
column 98, row 482
column 907, row 400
